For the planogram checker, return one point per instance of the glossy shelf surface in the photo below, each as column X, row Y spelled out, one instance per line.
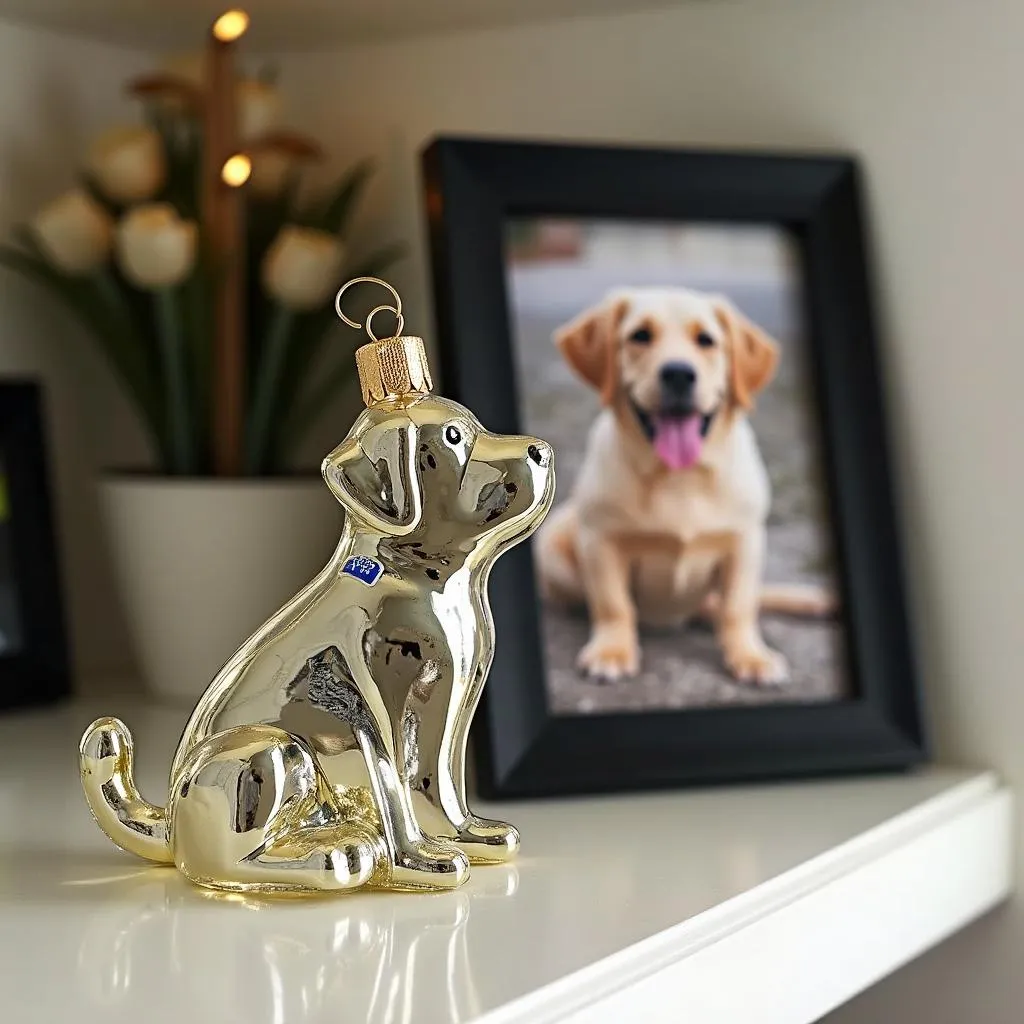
column 91, row 934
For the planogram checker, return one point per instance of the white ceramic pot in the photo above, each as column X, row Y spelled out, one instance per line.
column 201, row 563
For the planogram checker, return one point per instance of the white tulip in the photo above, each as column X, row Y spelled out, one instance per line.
column 74, row 232
column 155, row 247
column 128, row 164
column 302, row 267
column 259, row 108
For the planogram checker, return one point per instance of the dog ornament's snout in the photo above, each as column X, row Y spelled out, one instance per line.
column 540, row 453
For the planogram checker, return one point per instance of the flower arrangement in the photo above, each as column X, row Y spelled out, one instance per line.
column 202, row 267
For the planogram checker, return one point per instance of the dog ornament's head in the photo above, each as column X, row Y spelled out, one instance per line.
column 423, row 469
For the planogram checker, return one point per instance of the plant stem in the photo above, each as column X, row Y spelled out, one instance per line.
column 268, row 380
column 172, row 354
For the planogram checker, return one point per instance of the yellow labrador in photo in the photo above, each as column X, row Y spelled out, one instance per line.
column 667, row 517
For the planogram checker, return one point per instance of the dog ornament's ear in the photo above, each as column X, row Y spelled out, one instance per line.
column 589, row 344
column 753, row 355
column 373, row 474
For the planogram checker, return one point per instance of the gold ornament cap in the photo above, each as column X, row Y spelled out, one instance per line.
column 390, row 369
column 393, row 368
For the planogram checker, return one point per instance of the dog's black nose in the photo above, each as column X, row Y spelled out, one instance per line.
column 677, row 379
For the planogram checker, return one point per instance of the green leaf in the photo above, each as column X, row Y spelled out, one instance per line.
column 34, row 269
column 169, row 308
column 266, row 386
column 315, row 402
column 335, row 210
column 197, row 301
column 127, row 318
column 376, row 262
column 91, row 302
column 137, row 310
column 181, row 143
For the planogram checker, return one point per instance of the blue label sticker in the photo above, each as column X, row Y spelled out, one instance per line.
column 365, row 569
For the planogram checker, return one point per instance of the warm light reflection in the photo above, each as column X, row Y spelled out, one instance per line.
column 230, row 25
column 236, row 170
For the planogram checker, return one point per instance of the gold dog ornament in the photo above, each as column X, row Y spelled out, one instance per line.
column 329, row 752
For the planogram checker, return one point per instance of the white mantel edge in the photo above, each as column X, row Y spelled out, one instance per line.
column 793, row 948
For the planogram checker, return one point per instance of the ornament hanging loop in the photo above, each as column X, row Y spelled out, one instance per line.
column 396, row 309
column 399, row 326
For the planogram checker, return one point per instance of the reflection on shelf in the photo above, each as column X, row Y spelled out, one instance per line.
column 283, row 961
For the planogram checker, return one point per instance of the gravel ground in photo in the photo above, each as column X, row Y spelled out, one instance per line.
column 683, row 668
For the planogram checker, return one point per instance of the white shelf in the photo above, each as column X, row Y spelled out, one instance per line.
column 754, row 904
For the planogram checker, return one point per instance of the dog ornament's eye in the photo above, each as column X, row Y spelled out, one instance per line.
column 642, row 336
column 704, row 340
column 452, row 434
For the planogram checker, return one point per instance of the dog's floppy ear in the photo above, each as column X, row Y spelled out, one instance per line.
column 589, row 344
column 373, row 474
column 753, row 356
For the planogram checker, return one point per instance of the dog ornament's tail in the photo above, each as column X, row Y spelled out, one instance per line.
column 105, row 758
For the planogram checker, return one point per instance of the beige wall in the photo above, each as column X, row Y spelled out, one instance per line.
column 55, row 93
column 929, row 93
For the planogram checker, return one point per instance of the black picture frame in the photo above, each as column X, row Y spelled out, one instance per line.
column 472, row 188
column 36, row 670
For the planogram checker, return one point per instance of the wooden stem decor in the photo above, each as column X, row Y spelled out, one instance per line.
column 222, row 216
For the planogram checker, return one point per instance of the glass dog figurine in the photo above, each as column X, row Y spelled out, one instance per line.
column 329, row 752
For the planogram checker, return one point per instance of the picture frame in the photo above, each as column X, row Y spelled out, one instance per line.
column 473, row 189
column 33, row 645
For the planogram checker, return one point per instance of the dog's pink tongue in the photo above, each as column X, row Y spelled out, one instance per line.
column 677, row 440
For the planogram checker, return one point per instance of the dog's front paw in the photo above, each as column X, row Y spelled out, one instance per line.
column 610, row 654
column 429, row 864
column 485, row 841
column 758, row 664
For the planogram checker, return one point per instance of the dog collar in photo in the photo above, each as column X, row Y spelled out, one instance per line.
column 363, row 568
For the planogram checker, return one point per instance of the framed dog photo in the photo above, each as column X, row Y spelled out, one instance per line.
column 717, row 593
